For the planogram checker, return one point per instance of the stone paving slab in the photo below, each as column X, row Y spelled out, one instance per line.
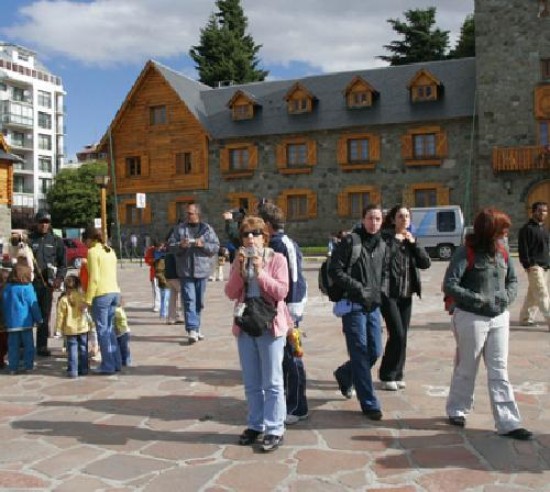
column 172, row 420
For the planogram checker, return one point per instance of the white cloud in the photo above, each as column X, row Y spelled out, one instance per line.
column 331, row 35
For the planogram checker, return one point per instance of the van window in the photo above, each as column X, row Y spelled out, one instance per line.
column 446, row 221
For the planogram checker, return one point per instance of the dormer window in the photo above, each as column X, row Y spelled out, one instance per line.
column 424, row 87
column 359, row 94
column 299, row 100
column 242, row 106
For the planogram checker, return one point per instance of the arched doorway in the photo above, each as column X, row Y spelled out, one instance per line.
column 539, row 193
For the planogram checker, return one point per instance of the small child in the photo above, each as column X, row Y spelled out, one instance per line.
column 223, row 256
column 123, row 335
column 160, row 277
column 72, row 322
column 21, row 312
column 92, row 334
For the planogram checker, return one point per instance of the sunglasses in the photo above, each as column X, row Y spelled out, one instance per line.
column 254, row 233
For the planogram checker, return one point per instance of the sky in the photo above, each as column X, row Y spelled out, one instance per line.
column 99, row 47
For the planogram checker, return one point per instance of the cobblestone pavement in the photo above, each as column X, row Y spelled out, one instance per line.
column 171, row 422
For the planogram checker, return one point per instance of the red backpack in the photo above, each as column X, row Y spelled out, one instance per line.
column 471, row 258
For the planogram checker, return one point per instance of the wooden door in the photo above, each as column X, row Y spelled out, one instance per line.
column 540, row 193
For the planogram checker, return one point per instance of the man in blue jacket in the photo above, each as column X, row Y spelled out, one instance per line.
column 194, row 243
column 293, row 364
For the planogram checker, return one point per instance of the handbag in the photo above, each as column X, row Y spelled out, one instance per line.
column 257, row 316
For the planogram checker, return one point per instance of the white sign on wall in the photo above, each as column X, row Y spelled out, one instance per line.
column 140, row 200
column 97, row 223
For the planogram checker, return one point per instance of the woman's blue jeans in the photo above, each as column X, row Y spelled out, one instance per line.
column 103, row 314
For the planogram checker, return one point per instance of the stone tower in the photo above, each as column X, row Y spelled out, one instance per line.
column 513, row 104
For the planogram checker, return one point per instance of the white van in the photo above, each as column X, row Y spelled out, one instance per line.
column 439, row 229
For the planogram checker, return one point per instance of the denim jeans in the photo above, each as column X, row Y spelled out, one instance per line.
column 15, row 340
column 295, row 383
column 262, row 368
column 192, row 296
column 124, row 346
column 77, row 354
column 363, row 333
column 374, row 348
column 164, row 300
column 103, row 314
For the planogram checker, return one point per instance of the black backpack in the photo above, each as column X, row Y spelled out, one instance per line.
column 326, row 284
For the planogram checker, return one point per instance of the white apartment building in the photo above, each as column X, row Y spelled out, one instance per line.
column 32, row 120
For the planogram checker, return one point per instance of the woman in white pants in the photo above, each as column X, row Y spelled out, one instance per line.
column 482, row 282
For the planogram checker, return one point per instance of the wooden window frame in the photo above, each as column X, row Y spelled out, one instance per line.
column 545, row 68
column 242, row 111
column 299, row 100
column 239, row 159
column 235, row 200
column 442, row 193
column 419, row 93
column 158, row 115
column 282, row 156
column 131, row 165
column 123, row 205
column 343, row 152
column 225, row 160
column 441, row 146
column 183, row 162
column 311, row 203
column 345, row 196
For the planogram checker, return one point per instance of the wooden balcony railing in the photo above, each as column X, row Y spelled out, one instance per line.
column 533, row 158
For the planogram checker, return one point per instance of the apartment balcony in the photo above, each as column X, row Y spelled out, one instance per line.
column 23, row 167
column 521, row 159
column 16, row 121
column 21, row 145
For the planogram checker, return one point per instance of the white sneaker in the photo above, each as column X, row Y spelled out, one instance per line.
column 294, row 419
column 389, row 385
column 200, row 336
column 193, row 337
column 401, row 385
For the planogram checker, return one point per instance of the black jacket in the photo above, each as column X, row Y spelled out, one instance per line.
column 364, row 282
column 418, row 258
column 533, row 246
column 48, row 250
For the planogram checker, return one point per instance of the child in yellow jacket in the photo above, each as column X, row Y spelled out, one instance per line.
column 123, row 335
column 72, row 322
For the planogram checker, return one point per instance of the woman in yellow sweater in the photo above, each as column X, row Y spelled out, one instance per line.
column 103, row 296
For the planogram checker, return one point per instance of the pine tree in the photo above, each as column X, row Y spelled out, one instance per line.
column 466, row 44
column 226, row 52
column 422, row 42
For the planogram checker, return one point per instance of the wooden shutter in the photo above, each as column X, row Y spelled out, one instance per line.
column 122, row 212
column 282, row 203
column 406, row 146
column 441, row 145
column 311, row 205
column 443, row 195
column 342, row 151
column 375, row 196
column 374, row 148
column 312, row 152
column 281, row 156
column 252, row 157
column 343, row 204
column 224, row 160
column 172, row 213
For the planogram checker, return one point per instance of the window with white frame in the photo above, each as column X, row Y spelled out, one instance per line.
column 44, row 142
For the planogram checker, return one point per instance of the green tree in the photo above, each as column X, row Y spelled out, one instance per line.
column 466, row 44
column 74, row 198
column 421, row 41
column 226, row 52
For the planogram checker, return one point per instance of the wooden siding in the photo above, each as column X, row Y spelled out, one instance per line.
column 157, row 145
column 6, row 182
column 532, row 158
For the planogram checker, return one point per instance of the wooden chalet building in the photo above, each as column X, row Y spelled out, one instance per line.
column 7, row 160
column 473, row 132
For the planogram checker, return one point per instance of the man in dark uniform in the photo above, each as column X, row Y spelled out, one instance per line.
column 49, row 272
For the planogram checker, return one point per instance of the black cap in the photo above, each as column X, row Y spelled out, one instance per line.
column 42, row 216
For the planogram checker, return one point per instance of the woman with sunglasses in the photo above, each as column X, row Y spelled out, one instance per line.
column 260, row 272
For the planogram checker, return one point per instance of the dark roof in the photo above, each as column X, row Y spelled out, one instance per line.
column 392, row 105
column 4, row 156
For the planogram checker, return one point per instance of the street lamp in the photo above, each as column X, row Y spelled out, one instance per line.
column 102, row 181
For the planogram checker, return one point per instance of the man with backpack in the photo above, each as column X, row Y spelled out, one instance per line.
column 293, row 365
column 359, row 276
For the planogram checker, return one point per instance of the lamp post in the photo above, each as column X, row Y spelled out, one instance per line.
column 103, row 181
